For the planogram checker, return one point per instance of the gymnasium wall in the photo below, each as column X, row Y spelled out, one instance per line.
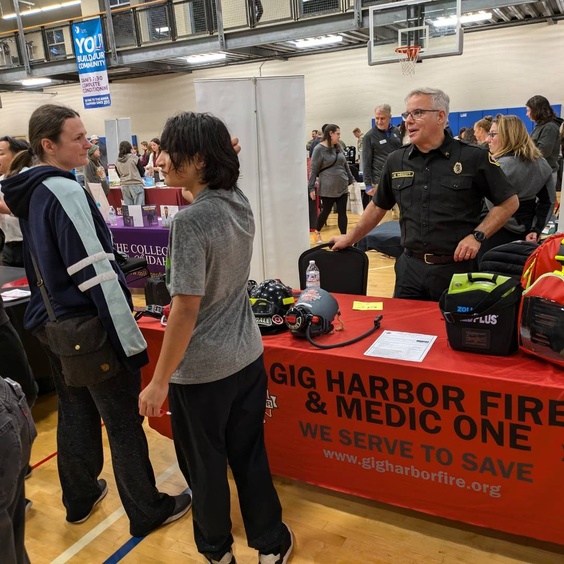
column 499, row 68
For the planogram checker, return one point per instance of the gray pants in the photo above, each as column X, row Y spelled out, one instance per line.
column 17, row 432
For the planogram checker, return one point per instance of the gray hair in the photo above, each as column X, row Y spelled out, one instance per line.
column 441, row 101
column 386, row 108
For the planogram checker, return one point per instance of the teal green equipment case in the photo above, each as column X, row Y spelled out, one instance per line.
column 481, row 311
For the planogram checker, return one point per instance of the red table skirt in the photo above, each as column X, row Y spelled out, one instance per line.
column 153, row 196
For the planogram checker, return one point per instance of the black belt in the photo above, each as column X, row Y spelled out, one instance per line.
column 14, row 243
column 429, row 258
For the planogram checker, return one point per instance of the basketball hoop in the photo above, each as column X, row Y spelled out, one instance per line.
column 407, row 56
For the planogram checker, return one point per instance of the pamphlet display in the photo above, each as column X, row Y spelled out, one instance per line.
column 139, row 216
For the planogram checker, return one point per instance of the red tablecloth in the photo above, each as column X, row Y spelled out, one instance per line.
column 464, row 436
column 157, row 196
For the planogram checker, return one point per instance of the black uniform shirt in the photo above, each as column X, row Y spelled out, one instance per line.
column 440, row 193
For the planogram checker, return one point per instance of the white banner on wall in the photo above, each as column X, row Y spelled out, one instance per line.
column 91, row 63
column 268, row 116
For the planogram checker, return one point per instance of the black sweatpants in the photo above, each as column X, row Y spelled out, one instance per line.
column 220, row 423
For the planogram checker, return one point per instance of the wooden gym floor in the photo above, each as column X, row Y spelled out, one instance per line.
column 330, row 528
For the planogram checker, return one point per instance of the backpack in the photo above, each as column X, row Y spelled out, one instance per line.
column 541, row 315
column 508, row 259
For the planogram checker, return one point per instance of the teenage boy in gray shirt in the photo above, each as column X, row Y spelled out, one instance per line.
column 211, row 362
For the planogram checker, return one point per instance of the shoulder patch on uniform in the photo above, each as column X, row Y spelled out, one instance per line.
column 492, row 159
column 403, row 174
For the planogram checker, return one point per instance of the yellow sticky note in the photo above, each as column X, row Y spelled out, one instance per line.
column 365, row 306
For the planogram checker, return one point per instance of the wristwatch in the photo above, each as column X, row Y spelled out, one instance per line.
column 480, row 236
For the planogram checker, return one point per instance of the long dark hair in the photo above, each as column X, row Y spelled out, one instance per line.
column 47, row 122
column 23, row 155
column 124, row 148
column 331, row 128
column 189, row 135
column 541, row 110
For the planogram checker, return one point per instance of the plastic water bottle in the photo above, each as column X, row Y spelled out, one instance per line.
column 313, row 277
column 112, row 216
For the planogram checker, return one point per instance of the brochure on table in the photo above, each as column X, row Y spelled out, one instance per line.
column 140, row 216
column 168, row 212
column 101, row 200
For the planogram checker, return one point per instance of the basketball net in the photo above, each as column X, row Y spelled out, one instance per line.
column 407, row 57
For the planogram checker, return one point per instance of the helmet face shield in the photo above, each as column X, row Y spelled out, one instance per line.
column 270, row 301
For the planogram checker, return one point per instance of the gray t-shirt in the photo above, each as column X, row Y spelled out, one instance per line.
column 211, row 244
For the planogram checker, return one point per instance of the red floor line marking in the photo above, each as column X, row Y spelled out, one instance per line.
column 44, row 460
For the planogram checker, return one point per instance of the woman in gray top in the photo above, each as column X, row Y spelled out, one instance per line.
column 328, row 163
column 546, row 134
column 132, row 187
column 529, row 174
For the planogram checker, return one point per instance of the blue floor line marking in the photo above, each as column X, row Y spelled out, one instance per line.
column 124, row 550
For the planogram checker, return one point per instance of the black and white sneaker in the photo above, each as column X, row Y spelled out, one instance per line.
column 227, row 558
column 103, row 485
column 182, row 504
column 284, row 550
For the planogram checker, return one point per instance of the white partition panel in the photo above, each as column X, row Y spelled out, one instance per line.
column 268, row 116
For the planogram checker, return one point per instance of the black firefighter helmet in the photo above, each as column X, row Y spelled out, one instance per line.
column 270, row 301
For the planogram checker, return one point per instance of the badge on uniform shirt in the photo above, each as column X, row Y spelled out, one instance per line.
column 457, row 168
column 382, row 141
column 403, row 174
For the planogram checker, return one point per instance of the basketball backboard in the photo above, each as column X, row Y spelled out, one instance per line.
column 433, row 25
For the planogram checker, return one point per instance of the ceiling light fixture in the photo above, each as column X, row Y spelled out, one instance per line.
column 318, row 41
column 35, row 81
column 205, row 58
column 48, row 8
column 465, row 18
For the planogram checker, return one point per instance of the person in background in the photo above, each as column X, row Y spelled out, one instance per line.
column 469, row 136
column 68, row 237
column 17, row 433
column 12, row 253
column 313, row 137
column 315, row 142
column 94, row 139
column 359, row 142
column 145, row 152
column 94, row 171
column 481, row 130
column 152, row 167
column 213, row 372
column 330, row 166
column 546, row 133
column 531, row 176
column 460, row 132
column 379, row 142
column 132, row 187
column 439, row 184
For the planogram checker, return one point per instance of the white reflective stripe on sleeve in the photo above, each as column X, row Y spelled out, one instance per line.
column 78, row 266
column 97, row 280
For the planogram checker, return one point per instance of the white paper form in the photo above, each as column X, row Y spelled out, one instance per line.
column 397, row 345
column 15, row 294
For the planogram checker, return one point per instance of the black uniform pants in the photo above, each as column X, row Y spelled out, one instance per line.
column 416, row 280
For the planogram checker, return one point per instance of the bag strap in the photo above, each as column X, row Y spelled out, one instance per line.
column 326, row 167
column 488, row 302
column 42, row 289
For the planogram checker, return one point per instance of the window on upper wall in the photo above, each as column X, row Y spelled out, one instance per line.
column 116, row 3
column 56, row 43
